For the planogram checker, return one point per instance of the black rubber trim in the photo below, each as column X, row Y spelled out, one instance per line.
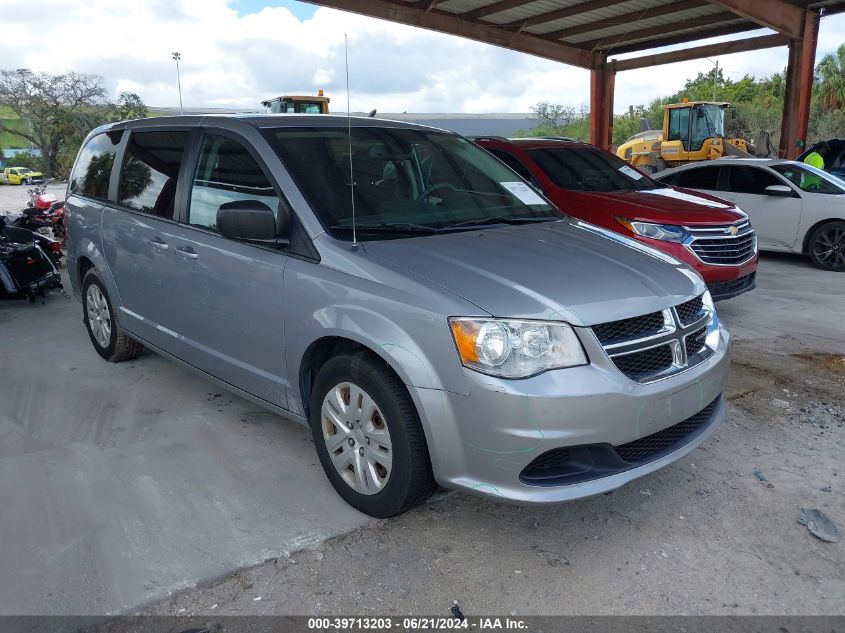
column 586, row 462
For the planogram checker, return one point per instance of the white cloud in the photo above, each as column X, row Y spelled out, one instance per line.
column 237, row 60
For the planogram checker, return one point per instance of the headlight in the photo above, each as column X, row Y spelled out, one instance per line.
column 712, row 337
column 664, row 232
column 511, row 348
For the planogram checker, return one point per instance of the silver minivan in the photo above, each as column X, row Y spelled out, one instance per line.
column 431, row 316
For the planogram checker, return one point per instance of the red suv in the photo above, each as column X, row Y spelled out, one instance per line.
column 710, row 234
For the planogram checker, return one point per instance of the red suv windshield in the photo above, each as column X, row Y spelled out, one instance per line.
column 588, row 169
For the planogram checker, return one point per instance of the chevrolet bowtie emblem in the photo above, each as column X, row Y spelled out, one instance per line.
column 732, row 230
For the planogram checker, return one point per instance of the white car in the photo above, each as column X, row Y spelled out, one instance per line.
column 792, row 206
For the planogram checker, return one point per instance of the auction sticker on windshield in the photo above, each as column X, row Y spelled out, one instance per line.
column 628, row 171
column 522, row 191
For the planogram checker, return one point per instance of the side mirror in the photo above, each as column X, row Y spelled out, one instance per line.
column 247, row 220
column 733, row 113
column 779, row 190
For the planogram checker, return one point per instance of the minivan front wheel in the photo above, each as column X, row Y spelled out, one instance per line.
column 106, row 335
column 368, row 436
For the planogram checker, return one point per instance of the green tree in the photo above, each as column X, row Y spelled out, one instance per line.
column 53, row 105
column 129, row 106
column 830, row 75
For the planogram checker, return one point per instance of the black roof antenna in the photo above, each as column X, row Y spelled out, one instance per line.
column 349, row 136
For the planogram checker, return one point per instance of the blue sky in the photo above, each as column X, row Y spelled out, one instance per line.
column 302, row 10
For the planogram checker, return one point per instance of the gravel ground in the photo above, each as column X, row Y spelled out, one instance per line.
column 714, row 534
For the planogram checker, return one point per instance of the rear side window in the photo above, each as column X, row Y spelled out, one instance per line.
column 150, row 171
column 699, row 178
column 589, row 169
column 226, row 172
column 511, row 161
column 743, row 179
column 92, row 171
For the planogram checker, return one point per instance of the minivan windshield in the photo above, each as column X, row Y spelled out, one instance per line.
column 404, row 181
column 589, row 169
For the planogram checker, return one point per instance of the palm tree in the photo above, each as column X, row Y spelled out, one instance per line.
column 830, row 74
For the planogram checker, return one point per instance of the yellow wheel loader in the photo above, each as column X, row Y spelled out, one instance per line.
column 298, row 104
column 692, row 131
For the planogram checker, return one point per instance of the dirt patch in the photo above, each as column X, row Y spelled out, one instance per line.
column 824, row 361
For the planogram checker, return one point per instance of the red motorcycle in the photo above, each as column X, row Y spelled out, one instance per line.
column 44, row 214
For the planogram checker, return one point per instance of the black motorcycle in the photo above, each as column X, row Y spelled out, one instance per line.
column 26, row 271
column 38, row 223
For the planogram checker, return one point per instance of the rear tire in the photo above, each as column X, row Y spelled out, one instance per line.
column 363, row 414
column 826, row 246
column 106, row 335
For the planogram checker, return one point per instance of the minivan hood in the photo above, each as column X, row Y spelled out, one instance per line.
column 668, row 206
column 566, row 270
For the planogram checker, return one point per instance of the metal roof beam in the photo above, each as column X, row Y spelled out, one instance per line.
column 610, row 42
column 438, row 20
column 778, row 15
column 684, row 38
column 559, row 14
column 490, row 9
column 698, row 52
column 625, row 18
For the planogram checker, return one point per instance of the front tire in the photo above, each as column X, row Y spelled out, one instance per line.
column 369, row 437
column 827, row 246
column 107, row 337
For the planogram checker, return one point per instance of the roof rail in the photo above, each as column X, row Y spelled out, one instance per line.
column 556, row 138
column 486, row 137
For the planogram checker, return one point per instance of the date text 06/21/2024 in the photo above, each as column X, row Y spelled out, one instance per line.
column 415, row 623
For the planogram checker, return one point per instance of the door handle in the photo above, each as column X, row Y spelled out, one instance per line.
column 158, row 244
column 187, row 253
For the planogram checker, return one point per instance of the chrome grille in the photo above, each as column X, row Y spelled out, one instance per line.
column 695, row 341
column 625, row 329
column 658, row 344
column 691, row 311
column 720, row 246
column 648, row 362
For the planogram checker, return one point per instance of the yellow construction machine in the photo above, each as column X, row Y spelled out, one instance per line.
column 692, row 131
column 298, row 104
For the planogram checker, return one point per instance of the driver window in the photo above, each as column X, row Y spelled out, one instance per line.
column 226, row 172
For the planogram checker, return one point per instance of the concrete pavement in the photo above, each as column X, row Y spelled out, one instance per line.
column 121, row 483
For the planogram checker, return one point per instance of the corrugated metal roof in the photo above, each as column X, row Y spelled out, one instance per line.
column 553, row 19
column 689, row 16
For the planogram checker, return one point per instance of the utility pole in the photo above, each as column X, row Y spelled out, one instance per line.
column 177, row 57
column 715, row 79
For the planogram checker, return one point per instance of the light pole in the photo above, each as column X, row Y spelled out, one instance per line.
column 177, row 57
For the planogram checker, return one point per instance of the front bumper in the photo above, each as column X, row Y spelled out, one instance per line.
column 709, row 272
column 483, row 442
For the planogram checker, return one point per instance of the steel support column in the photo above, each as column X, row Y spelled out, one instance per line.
column 602, row 79
column 805, row 86
column 798, row 89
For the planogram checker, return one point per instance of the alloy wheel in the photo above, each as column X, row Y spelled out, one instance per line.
column 99, row 317
column 829, row 248
column 357, row 438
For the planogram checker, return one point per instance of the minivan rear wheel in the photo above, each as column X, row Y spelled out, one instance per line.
column 106, row 335
column 368, row 436
column 827, row 246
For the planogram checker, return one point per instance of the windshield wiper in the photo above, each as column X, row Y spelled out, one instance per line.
column 502, row 219
column 397, row 227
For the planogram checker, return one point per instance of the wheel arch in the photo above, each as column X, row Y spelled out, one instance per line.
column 327, row 347
column 805, row 246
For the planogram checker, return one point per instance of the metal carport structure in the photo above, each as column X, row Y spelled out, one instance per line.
column 588, row 33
